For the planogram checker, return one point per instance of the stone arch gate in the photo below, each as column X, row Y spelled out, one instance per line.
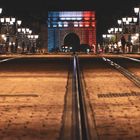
column 61, row 23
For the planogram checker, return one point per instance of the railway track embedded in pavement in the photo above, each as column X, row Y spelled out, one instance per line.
column 78, row 123
column 132, row 77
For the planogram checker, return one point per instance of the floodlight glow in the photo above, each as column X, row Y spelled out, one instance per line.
column 60, row 24
column 11, row 23
column 93, row 24
column 23, row 29
column 112, row 29
column 130, row 19
column 109, row 31
column 104, row 36
column 27, row 30
column 7, row 19
column 2, row 20
column 75, row 24
column 137, row 34
column 119, row 22
column 135, row 19
column 65, row 24
column 3, row 36
column 0, row 10
column 86, row 25
column 80, row 24
column 108, row 35
column 62, row 18
column 120, row 29
column 73, row 18
column 127, row 22
column 30, row 31
column 13, row 19
column 116, row 29
column 19, row 29
column 136, row 10
column 19, row 22
column 68, row 18
column 36, row 36
column 32, row 36
column 54, row 25
column 29, row 36
column 79, row 18
column 124, row 19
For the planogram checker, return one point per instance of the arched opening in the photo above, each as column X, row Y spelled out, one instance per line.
column 72, row 40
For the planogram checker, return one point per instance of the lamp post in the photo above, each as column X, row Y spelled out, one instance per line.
column 127, row 23
column 23, row 34
column 120, row 22
column 17, row 25
column 1, row 10
column 33, row 39
column 115, row 31
column 6, row 29
column 106, row 40
column 9, row 28
column 137, row 11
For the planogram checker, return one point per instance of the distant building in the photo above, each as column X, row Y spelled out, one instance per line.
column 64, row 25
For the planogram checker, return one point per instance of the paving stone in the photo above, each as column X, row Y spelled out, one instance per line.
column 114, row 116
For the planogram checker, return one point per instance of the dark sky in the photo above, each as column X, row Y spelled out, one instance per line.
column 107, row 11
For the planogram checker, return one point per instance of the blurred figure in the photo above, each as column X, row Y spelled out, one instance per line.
column 123, row 42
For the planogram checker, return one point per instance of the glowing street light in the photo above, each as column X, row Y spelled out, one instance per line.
column 137, row 11
column 0, row 10
column 19, row 22
column 119, row 22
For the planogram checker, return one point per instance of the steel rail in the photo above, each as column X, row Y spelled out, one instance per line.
column 132, row 77
column 81, row 113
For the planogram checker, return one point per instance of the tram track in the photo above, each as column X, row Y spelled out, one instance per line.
column 113, row 97
column 79, row 116
column 131, row 76
column 82, row 122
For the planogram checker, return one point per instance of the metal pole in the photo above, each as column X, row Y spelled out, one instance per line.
column 139, row 31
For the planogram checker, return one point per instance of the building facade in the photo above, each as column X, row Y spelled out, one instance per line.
column 62, row 23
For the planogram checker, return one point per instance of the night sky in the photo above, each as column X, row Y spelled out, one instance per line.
column 107, row 11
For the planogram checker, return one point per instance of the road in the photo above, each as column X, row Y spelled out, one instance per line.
column 33, row 92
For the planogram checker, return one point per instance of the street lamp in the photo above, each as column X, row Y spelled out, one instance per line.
column 137, row 11
column 19, row 22
column 23, row 34
column 9, row 27
column 120, row 22
column 0, row 10
column 115, row 31
column 104, row 39
column 129, row 22
column 33, row 39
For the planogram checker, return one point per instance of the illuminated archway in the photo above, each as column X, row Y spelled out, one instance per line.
column 62, row 23
column 72, row 40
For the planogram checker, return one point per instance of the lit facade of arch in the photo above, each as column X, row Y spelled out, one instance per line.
column 60, row 23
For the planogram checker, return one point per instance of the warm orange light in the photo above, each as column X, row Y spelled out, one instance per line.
column 86, row 18
column 87, row 15
column 93, row 24
column 86, row 24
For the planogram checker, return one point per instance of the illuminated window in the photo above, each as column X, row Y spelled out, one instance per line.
column 65, row 24
column 80, row 24
column 86, row 24
column 93, row 24
column 75, row 24
column 60, row 24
